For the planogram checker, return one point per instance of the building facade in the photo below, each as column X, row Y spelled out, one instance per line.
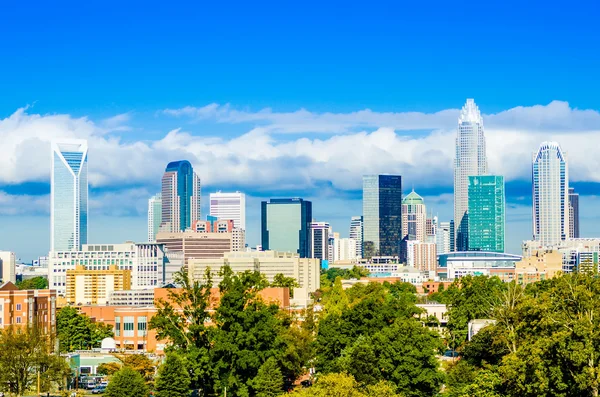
column 443, row 237
column 414, row 217
column 145, row 261
column 541, row 265
column 188, row 245
column 344, row 249
column 573, row 213
column 356, row 233
column 285, row 226
column 132, row 297
column 470, row 160
column 8, row 266
column 306, row 271
column 181, row 194
column 69, row 195
column 550, row 177
column 382, row 215
column 486, row 218
column 27, row 307
column 319, row 240
column 93, row 287
column 454, row 265
column 154, row 216
column 421, row 255
column 229, row 206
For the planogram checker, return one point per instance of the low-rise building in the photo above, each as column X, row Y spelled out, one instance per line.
column 93, row 287
column 541, row 265
column 27, row 307
column 306, row 271
column 132, row 297
column 195, row 245
column 454, row 265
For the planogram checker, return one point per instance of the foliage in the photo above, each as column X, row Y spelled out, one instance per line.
column 23, row 353
column 173, row 379
column 286, row 282
column 37, row 282
column 77, row 331
column 126, row 382
column 269, row 380
column 344, row 385
column 108, row 368
column 330, row 275
column 138, row 362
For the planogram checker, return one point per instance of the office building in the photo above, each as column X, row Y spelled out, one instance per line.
column 486, row 213
column 356, row 233
column 8, row 265
column 573, row 213
column 69, row 195
column 470, row 160
column 181, row 193
column 132, row 297
column 154, row 216
column 541, row 265
column 421, row 255
column 382, row 215
column 213, row 225
column 229, row 206
column 414, row 218
column 577, row 253
column 443, row 237
column 550, row 176
column 183, row 246
column 319, row 240
column 146, row 261
column 344, row 249
column 27, row 308
column 285, row 226
column 431, row 225
column 93, row 287
column 453, row 265
column 306, row 271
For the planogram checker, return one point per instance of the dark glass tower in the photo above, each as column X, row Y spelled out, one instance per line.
column 285, row 225
column 573, row 213
column 382, row 215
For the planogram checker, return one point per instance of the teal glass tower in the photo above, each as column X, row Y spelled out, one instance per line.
column 486, row 213
column 285, row 225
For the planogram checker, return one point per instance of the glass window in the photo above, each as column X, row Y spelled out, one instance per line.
column 117, row 326
column 128, row 326
column 142, row 326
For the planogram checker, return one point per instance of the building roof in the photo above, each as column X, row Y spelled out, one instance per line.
column 413, row 199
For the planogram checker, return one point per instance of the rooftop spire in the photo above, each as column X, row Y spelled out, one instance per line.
column 470, row 112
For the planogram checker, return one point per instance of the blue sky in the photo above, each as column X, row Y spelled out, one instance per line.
column 280, row 98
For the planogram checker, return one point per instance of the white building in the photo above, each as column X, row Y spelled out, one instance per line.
column 470, row 160
column 443, row 237
column 475, row 263
column 550, row 194
column 229, row 206
column 305, row 270
column 8, row 270
column 319, row 240
column 356, row 233
column 69, row 195
column 141, row 297
column 154, row 216
column 414, row 217
column 576, row 252
column 411, row 275
column 344, row 249
column 145, row 260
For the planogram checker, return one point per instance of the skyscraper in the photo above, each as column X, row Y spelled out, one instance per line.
column 550, row 177
column 382, row 215
column 573, row 213
column 154, row 216
column 181, row 193
column 69, row 195
column 356, row 233
column 414, row 217
column 285, row 225
column 470, row 160
column 443, row 237
column 229, row 206
column 319, row 240
column 486, row 213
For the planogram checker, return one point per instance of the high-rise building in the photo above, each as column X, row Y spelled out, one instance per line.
column 344, row 249
column 229, row 206
column 285, row 226
column 319, row 240
column 356, row 234
column 550, row 176
column 382, row 215
column 181, row 193
column 486, row 213
column 7, row 267
column 470, row 160
column 414, row 217
column 93, row 287
column 443, row 239
column 573, row 213
column 431, row 225
column 69, row 195
column 154, row 216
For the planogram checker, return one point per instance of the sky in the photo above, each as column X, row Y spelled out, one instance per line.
column 289, row 99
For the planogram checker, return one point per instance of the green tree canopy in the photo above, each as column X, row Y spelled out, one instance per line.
column 77, row 331
column 37, row 282
column 286, row 282
column 269, row 380
column 173, row 379
column 127, row 382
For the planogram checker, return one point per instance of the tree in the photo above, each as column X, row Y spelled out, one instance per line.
column 344, row 385
column 126, row 383
column 285, row 282
column 108, row 368
column 269, row 380
column 77, row 331
column 24, row 352
column 173, row 379
column 37, row 282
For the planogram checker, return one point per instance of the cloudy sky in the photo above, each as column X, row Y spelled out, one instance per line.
column 288, row 101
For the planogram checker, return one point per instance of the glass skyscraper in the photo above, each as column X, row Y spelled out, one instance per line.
column 486, row 213
column 285, row 225
column 154, row 216
column 69, row 195
column 573, row 213
column 356, row 233
column 550, row 194
column 382, row 215
column 181, row 194
column 470, row 160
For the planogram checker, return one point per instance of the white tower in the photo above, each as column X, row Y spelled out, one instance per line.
column 229, row 206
